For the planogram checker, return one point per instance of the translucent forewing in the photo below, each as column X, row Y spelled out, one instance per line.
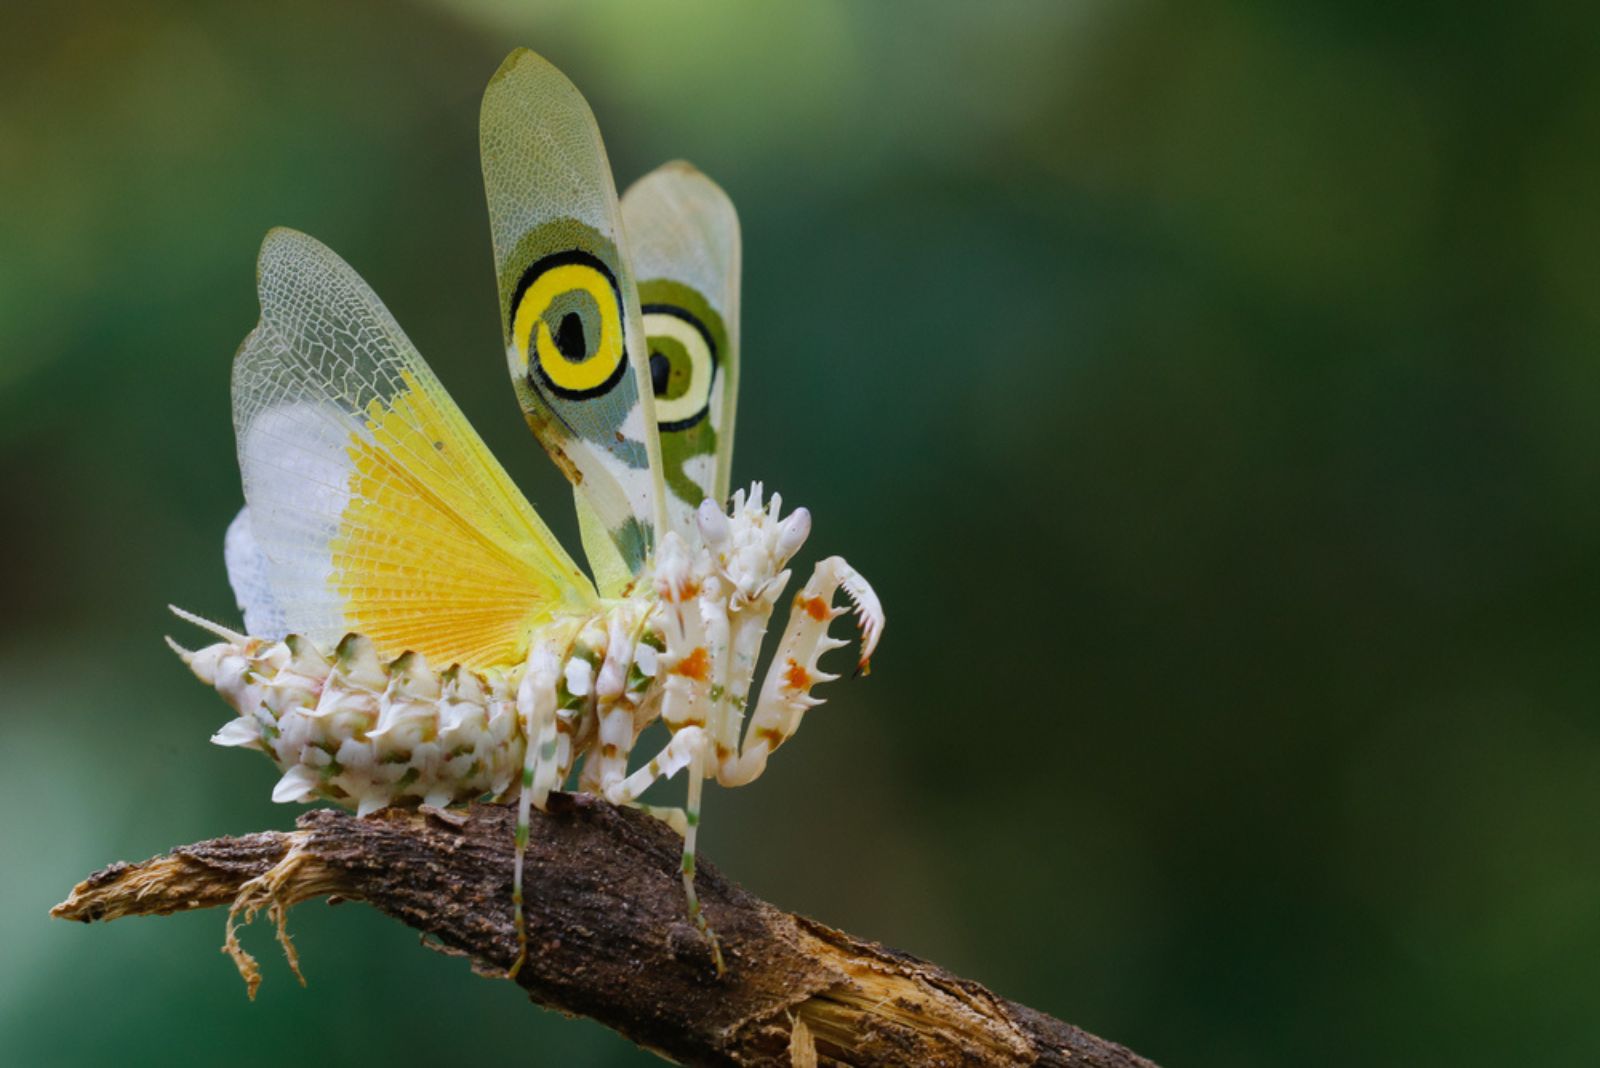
column 372, row 505
column 683, row 234
column 569, row 309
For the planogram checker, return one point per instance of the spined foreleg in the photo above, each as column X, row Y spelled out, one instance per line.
column 786, row 691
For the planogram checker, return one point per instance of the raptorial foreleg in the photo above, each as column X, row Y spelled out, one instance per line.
column 786, row 690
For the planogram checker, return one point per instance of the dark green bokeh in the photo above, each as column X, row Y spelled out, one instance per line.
column 1211, row 395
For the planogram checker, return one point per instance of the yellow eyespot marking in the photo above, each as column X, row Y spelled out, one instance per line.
column 682, row 366
column 428, row 561
column 569, row 318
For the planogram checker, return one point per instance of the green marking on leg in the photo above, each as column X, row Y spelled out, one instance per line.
column 527, row 777
column 522, row 836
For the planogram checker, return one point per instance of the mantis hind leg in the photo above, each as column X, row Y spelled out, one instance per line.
column 536, row 703
column 697, row 781
column 689, row 748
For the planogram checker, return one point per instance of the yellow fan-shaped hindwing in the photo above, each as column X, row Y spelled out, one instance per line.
column 417, row 558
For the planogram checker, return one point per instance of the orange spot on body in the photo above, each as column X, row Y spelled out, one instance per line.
column 797, row 677
column 697, row 665
column 815, row 607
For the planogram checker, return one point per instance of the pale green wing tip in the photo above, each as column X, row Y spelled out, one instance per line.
column 526, row 66
column 515, row 57
column 681, row 170
column 273, row 243
column 281, row 237
column 283, row 246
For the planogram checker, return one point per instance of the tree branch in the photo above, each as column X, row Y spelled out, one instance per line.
column 608, row 937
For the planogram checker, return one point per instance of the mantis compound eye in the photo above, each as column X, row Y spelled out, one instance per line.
column 792, row 533
column 713, row 524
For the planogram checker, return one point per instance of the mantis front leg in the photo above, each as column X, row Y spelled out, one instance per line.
column 786, row 691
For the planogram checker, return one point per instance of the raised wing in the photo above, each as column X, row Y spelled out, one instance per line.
column 372, row 505
column 568, row 306
column 683, row 235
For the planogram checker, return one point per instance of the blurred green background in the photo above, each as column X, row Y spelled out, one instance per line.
column 1210, row 392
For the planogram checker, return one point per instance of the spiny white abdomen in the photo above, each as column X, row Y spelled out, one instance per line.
column 352, row 729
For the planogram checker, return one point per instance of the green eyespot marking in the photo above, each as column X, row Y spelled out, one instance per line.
column 687, row 342
column 683, row 365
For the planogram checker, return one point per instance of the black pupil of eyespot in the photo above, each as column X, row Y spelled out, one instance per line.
column 569, row 337
column 660, row 372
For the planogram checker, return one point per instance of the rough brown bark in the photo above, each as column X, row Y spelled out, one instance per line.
column 608, row 937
